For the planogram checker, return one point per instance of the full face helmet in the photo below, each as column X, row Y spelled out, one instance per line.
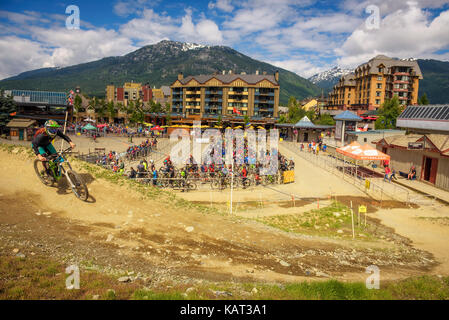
column 51, row 128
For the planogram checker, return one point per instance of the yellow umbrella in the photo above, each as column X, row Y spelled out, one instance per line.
column 260, row 127
column 228, row 128
column 238, row 127
column 218, row 127
column 148, row 124
column 251, row 128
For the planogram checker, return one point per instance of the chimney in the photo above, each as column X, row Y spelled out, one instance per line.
column 230, row 71
column 180, row 76
column 276, row 75
column 257, row 72
column 242, row 72
column 224, row 71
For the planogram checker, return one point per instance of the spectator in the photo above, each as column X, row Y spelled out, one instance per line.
column 393, row 175
column 132, row 174
column 387, row 172
column 412, row 173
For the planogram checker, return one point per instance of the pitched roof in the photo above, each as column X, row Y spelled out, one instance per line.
column 20, row 123
column 304, row 123
column 390, row 62
column 348, row 116
column 228, row 78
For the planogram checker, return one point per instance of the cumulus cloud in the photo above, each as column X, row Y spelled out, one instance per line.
column 224, row 5
column 405, row 33
column 205, row 31
column 302, row 67
column 23, row 55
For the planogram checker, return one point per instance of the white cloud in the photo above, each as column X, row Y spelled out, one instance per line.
column 304, row 68
column 224, row 5
column 23, row 55
column 149, row 28
column 404, row 33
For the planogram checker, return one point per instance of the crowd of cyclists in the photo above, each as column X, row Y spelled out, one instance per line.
column 219, row 175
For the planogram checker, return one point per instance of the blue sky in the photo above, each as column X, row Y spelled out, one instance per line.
column 304, row 36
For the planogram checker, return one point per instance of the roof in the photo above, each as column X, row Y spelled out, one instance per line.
column 375, row 131
column 440, row 141
column 228, row 78
column 431, row 117
column 347, row 116
column 304, row 123
column 390, row 62
column 20, row 123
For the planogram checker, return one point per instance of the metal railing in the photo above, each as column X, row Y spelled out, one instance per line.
column 349, row 172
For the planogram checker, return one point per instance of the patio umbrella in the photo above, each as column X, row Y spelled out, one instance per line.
column 260, row 127
column 89, row 127
column 102, row 125
column 89, row 120
column 148, row 124
column 156, row 128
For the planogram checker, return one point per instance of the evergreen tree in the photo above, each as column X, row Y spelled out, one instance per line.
column 388, row 114
column 7, row 106
column 423, row 100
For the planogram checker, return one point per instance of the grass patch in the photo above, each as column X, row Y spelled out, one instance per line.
column 34, row 278
column 325, row 221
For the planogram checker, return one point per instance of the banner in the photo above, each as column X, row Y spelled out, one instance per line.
column 289, row 177
column 338, row 130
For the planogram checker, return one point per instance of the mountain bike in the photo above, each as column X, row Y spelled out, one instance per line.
column 56, row 169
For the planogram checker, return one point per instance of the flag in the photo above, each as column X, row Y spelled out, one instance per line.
column 236, row 111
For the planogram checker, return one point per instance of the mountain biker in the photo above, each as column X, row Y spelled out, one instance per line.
column 42, row 141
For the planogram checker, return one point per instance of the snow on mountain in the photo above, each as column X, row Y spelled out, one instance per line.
column 329, row 75
column 191, row 46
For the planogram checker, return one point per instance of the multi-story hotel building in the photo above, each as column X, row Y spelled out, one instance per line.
column 129, row 92
column 373, row 82
column 231, row 96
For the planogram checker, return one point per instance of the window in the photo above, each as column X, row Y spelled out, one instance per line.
column 377, row 101
column 378, row 93
column 379, row 78
column 365, row 140
column 379, row 86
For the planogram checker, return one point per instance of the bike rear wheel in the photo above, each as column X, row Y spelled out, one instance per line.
column 79, row 188
column 42, row 174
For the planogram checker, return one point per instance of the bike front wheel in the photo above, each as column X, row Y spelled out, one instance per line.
column 42, row 174
column 78, row 186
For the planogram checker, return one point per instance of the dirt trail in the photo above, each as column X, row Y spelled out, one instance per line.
column 119, row 229
column 427, row 228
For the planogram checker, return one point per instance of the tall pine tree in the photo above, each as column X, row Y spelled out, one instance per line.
column 7, row 107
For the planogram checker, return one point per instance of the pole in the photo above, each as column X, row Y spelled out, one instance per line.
column 232, row 180
column 352, row 221
column 65, row 127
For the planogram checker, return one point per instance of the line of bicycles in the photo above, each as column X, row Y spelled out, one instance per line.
column 192, row 182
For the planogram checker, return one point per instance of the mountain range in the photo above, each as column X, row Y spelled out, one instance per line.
column 157, row 64
column 435, row 83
